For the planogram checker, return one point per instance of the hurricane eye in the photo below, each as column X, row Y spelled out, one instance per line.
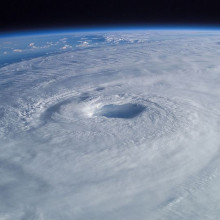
column 120, row 111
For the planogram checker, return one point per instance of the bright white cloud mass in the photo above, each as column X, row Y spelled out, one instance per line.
column 126, row 127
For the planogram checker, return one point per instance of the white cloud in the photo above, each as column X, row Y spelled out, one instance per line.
column 66, row 47
column 17, row 50
column 61, row 160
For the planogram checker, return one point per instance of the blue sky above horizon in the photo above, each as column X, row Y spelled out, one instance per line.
column 63, row 30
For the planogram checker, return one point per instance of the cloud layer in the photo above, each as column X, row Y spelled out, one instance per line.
column 66, row 154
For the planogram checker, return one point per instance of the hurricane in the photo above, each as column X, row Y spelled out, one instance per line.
column 110, row 125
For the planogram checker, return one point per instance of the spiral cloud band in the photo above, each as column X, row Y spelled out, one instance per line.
column 113, row 125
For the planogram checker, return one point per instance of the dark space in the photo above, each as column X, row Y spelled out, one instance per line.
column 26, row 14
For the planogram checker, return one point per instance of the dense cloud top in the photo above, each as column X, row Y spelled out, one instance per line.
column 110, row 126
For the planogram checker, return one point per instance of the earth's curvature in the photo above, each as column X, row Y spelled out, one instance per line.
column 110, row 125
